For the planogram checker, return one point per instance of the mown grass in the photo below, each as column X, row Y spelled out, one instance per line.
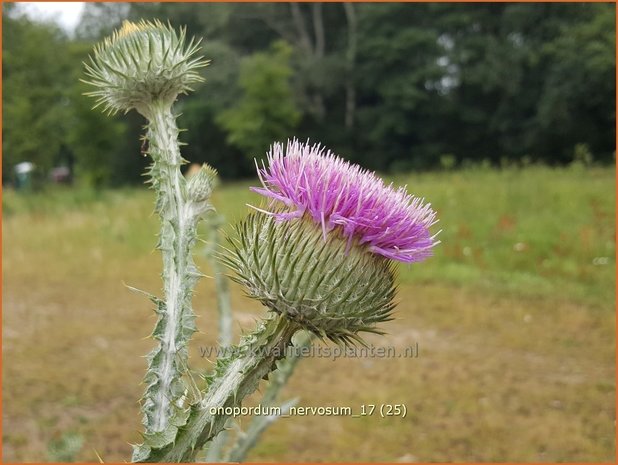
column 514, row 317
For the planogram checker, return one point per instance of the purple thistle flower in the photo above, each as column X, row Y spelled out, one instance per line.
column 337, row 194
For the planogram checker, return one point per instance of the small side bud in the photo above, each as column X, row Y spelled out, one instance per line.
column 202, row 183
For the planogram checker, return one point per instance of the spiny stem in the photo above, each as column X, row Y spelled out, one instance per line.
column 238, row 377
column 247, row 440
column 166, row 390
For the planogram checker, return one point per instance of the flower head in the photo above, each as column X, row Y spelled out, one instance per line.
column 322, row 256
column 338, row 195
column 142, row 63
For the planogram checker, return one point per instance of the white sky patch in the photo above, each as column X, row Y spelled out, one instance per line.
column 66, row 14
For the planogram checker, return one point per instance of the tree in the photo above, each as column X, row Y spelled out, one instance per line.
column 580, row 108
column 266, row 112
column 528, row 79
column 100, row 18
column 391, row 86
column 205, row 139
column 399, row 113
column 104, row 153
column 37, row 83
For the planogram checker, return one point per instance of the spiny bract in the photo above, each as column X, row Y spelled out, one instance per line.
column 142, row 63
column 325, row 286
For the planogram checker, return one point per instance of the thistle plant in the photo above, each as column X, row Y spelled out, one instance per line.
column 145, row 66
column 320, row 254
column 333, row 277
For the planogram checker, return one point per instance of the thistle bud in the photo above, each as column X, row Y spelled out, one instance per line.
column 201, row 184
column 141, row 64
column 326, row 286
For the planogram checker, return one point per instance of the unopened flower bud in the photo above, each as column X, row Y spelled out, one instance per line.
column 201, row 184
column 141, row 64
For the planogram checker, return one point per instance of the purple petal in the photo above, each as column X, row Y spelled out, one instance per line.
column 337, row 194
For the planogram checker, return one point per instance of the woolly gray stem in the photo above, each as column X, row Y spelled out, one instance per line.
column 248, row 439
column 214, row 449
column 166, row 391
column 234, row 379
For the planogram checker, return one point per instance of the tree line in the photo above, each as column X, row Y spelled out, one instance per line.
column 391, row 86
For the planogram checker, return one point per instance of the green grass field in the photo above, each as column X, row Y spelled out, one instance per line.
column 514, row 317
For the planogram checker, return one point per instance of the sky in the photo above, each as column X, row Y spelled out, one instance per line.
column 67, row 14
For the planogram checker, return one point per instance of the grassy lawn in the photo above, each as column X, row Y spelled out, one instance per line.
column 514, row 318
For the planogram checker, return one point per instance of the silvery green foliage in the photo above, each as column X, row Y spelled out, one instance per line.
column 225, row 318
column 245, row 440
column 325, row 284
column 224, row 306
column 180, row 204
column 145, row 66
column 143, row 63
column 234, row 377
column 201, row 184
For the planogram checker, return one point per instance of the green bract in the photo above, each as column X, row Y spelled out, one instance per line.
column 202, row 183
column 142, row 63
column 327, row 286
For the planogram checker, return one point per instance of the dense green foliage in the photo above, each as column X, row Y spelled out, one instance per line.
column 266, row 110
column 391, row 86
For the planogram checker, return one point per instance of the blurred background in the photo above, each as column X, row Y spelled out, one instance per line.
column 393, row 87
column 501, row 115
